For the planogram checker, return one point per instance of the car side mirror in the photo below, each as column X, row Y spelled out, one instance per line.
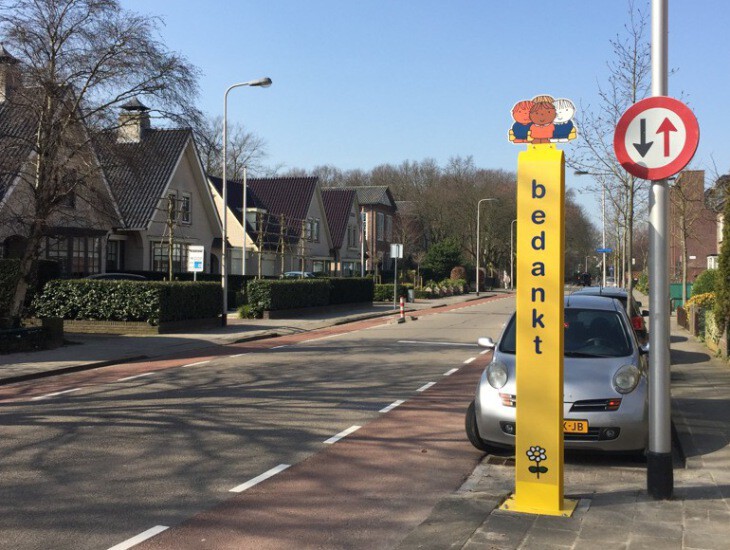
column 644, row 349
column 645, row 313
column 486, row 343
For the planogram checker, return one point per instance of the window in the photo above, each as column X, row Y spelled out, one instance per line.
column 185, row 209
column 388, row 228
column 112, row 256
column 380, row 225
column 57, row 249
column 160, row 257
column 315, row 230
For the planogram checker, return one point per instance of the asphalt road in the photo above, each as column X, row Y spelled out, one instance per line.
column 96, row 460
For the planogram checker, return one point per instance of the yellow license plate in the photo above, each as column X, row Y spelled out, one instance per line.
column 575, row 426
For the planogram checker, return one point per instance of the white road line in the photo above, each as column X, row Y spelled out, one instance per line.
column 279, row 347
column 484, row 352
column 237, row 355
column 344, row 433
column 324, row 337
column 126, row 378
column 258, row 479
column 450, row 372
column 134, row 541
column 196, row 364
column 425, row 387
column 470, row 360
column 54, row 394
column 392, row 406
column 420, row 342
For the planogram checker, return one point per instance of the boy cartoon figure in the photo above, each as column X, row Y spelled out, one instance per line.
column 521, row 114
column 564, row 128
column 542, row 115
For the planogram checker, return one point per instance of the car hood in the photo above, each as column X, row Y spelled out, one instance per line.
column 583, row 378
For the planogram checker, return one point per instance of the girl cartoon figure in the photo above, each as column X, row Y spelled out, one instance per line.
column 521, row 114
column 542, row 115
column 564, row 127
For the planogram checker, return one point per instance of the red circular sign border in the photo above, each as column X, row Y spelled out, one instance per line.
column 692, row 130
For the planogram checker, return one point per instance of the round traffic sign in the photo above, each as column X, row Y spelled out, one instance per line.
column 656, row 137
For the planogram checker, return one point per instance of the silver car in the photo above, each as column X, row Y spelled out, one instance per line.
column 605, row 383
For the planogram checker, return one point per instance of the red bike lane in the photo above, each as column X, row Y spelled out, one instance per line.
column 368, row 490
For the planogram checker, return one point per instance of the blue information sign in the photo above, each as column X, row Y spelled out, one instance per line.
column 604, row 250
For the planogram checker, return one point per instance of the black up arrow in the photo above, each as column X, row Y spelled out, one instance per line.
column 643, row 147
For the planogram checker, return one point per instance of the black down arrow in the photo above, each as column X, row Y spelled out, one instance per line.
column 644, row 146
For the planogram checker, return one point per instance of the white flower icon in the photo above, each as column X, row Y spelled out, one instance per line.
column 537, row 454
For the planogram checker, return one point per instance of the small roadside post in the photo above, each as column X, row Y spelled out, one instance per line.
column 396, row 251
column 196, row 260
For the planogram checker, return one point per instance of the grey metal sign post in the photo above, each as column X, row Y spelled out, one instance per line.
column 660, row 477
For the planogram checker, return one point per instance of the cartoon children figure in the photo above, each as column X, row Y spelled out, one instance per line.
column 542, row 115
column 521, row 114
column 564, row 128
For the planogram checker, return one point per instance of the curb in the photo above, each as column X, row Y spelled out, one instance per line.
column 68, row 370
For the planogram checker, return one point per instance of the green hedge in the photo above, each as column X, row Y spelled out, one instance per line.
column 43, row 271
column 109, row 300
column 351, row 290
column 9, row 275
column 270, row 295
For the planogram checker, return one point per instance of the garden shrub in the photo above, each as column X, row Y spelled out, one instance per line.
column 265, row 294
column 111, row 300
column 383, row 293
column 705, row 282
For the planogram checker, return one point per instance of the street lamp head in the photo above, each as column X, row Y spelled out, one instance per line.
column 261, row 82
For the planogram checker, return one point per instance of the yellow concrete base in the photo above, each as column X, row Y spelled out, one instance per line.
column 566, row 510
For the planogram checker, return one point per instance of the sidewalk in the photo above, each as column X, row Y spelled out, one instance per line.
column 615, row 510
column 88, row 351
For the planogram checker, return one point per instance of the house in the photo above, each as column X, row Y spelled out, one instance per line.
column 379, row 210
column 162, row 194
column 119, row 200
column 342, row 212
column 693, row 226
column 286, row 227
column 68, row 215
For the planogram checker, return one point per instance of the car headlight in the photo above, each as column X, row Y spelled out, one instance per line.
column 496, row 375
column 626, row 379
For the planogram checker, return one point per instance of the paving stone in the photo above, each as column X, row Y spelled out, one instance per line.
column 657, row 529
column 547, row 536
column 654, row 543
column 706, row 541
column 587, row 543
column 601, row 532
column 452, row 521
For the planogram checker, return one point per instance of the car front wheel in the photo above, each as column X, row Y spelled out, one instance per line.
column 472, row 431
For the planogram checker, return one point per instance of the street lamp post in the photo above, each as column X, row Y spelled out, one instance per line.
column 478, row 228
column 603, row 222
column 261, row 83
column 511, row 256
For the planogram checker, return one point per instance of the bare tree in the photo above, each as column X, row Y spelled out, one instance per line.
column 628, row 82
column 244, row 148
column 79, row 60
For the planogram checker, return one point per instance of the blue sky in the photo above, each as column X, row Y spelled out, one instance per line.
column 358, row 83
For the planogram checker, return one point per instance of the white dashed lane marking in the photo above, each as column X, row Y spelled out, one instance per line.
column 258, row 479
column 343, row 433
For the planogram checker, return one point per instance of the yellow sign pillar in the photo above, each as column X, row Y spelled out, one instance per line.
column 540, row 328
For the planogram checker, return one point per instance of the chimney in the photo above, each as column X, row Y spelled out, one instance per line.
column 133, row 120
column 9, row 74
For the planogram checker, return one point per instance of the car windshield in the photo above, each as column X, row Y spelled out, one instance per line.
column 588, row 333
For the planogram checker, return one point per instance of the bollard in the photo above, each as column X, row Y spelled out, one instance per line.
column 402, row 318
